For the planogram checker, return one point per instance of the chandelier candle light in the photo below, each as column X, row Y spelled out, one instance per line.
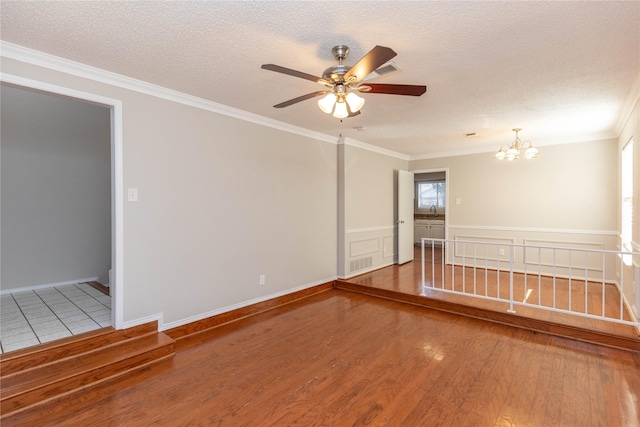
column 518, row 148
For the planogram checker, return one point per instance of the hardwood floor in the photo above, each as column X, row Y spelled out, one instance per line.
column 339, row 358
column 407, row 279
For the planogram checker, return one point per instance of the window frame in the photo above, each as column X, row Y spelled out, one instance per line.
column 440, row 208
column 626, row 196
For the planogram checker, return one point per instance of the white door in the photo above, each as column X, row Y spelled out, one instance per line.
column 405, row 216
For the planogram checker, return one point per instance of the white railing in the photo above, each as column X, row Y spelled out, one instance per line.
column 581, row 282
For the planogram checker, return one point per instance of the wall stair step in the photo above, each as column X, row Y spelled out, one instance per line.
column 41, row 375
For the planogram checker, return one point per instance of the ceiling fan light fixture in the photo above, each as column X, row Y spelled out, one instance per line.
column 355, row 102
column 340, row 111
column 327, row 102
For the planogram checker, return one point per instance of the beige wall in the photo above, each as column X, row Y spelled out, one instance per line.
column 221, row 201
column 570, row 186
column 369, row 181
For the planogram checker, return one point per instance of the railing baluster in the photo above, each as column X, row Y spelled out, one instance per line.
column 539, row 275
column 554, row 277
column 453, row 272
column 486, row 271
column 621, row 287
column 511, row 310
column 586, row 281
column 570, row 307
column 475, row 262
column 464, row 267
column 442, row 263
column 603, row 284
column 498, row 271
column 422, row 258
column 524, row 261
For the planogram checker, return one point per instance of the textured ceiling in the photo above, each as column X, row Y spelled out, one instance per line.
column 562, row 71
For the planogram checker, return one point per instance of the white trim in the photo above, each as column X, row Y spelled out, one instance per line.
column 447, row 193
column 47, row 285
column 41, row 59
column 142, row 320
column 191, row 319
column 117, row 236
column 576, row 139
column 369, row 229
column 45, row 60
column 534, row 230
column 375, row 149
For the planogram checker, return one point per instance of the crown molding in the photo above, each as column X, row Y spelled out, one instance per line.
column 55, row 63
column 375, row 149
column 541, row 143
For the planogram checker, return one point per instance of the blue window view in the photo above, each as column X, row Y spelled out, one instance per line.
column 431, row 194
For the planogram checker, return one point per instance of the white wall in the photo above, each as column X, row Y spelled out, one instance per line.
column 221, row 201
column 56, row 190
column 369, row 181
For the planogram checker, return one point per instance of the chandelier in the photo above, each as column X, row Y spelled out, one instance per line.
column 340, row 102
column 517, row 148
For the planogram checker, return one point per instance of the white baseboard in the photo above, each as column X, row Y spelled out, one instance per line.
column 181, row 322
column 47, row 285
column 143, row 320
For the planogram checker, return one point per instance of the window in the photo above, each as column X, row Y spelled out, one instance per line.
column 626, row 229
column 431, row 194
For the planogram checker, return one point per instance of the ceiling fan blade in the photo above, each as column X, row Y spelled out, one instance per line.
column 370, row 62
column 300, row 98
column 390, row 89
column 294, row 73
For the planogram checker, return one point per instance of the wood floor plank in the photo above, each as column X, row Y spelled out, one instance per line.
column 520, row 393
column 341, row 359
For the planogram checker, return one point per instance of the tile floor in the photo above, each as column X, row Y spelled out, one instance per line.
column 34, row 317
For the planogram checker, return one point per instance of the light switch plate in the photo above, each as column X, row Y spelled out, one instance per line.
column 132, row 194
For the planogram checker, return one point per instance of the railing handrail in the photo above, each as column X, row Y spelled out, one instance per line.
column 520, row 245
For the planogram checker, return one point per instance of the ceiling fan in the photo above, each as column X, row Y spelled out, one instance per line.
column 343, row 82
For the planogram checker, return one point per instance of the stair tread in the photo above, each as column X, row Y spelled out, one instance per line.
column 13, row 362
column 51, row 373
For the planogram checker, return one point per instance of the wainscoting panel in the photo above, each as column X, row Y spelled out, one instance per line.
column 491, row 256
column 489, row 252
column 369, row 249
column 563, row 258
column 363, row 247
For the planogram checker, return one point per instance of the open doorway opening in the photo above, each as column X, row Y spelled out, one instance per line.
column 431, row 205
column 57, row 220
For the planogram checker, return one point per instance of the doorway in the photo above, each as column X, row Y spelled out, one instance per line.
column 431, row 205
column 42, row 253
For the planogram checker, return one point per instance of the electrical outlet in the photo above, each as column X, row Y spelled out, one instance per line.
column 501, row 251
column 262, row 279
